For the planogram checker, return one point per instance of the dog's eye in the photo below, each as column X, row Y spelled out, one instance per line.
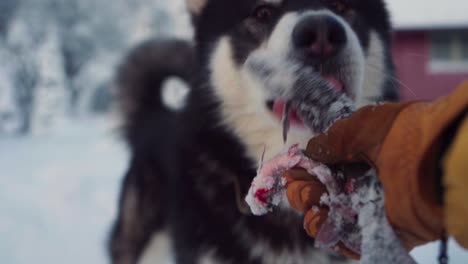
column 264, row 13
column 340, row 6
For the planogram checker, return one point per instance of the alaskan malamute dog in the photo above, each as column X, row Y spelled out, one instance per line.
column 183, row 195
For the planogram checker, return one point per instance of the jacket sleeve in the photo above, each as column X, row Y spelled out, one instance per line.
column 455, row 182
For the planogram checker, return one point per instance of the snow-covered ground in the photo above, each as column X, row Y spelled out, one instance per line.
column 428, row 254
column 58, row 195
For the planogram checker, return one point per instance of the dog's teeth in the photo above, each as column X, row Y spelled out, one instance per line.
column 286, row 121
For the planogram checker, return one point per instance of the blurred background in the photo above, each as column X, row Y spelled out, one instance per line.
column 61, row 155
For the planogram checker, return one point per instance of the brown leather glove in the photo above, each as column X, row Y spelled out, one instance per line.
column 304, row 193
column 404, row 142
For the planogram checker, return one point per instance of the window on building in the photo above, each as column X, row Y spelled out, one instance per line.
column 441, row 46
column 465, row 46
column 449, row 50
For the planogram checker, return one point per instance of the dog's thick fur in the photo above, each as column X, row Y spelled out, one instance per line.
column 182, row 196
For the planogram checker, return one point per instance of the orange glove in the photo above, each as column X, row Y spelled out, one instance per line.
column 304, row 192
column 405, row 143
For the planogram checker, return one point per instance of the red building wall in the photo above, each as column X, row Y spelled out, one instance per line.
column 411, row 51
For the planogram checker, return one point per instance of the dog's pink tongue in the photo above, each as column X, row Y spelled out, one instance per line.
column 335, row 83
column 278, row 110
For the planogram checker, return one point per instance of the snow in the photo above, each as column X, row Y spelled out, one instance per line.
column 428, row 254
column 424, row 14
column 380, row 243
column 58, row 193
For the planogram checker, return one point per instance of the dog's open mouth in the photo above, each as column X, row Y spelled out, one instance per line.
column 286, row 111
column 301, row 96
column 280, row 108
column 335, row 83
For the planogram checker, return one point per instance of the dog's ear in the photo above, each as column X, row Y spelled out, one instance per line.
column 195, row 7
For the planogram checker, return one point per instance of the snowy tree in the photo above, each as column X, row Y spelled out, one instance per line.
column 25, row 80
column 25, row 75
column 77, row 43
column 61, row 54
column 9, row 120
column 8, row 8
column 50, row 95
column 28, row 31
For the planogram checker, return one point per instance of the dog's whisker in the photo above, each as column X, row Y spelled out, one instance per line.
column 393, row 79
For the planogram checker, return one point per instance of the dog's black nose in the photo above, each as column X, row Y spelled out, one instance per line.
column 320, row 36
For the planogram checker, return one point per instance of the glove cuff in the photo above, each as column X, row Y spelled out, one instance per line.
column 414, row 145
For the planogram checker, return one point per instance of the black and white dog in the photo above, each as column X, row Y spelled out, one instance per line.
column 183, row 195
